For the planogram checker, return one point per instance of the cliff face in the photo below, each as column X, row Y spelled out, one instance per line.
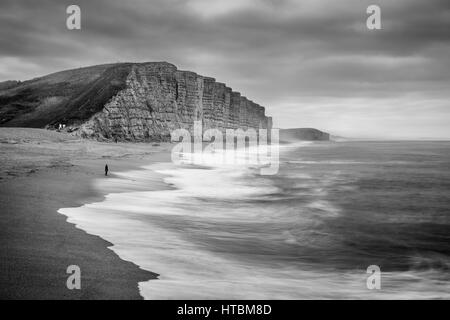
column 308, row 134
column 158, row 99
column 127, row 101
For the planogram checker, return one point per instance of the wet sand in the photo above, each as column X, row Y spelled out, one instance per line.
column 41, row 172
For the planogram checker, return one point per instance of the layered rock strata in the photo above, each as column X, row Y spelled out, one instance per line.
column 158, row 98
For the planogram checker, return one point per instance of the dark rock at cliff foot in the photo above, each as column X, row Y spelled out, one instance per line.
column 127, row 102
column 303, row 134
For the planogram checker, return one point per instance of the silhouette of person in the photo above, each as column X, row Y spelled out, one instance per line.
column 106, row 170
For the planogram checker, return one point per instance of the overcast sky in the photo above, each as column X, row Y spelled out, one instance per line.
column 311, row 63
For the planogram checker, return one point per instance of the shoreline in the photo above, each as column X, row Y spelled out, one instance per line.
column 37, row 243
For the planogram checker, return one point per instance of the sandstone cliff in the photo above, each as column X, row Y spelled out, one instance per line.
column 128, row 101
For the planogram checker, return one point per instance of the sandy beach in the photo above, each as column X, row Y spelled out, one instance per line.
column 42, row 171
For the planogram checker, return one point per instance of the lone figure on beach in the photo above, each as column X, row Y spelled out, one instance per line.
column 106, row 170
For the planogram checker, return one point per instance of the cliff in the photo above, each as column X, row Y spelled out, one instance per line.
column 309, row 134
column 128, row 101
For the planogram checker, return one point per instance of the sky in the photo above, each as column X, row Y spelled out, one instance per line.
column 311, row 63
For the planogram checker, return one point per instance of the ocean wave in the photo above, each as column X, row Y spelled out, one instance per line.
column 224, row 232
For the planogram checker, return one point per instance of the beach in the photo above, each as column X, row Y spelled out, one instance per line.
column 42, row 171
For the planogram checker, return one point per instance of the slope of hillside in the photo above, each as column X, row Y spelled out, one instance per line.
column 64, row 96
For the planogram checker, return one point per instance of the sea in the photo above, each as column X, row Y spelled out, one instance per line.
column 316, row 229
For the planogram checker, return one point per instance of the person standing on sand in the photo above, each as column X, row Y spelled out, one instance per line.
column 106, row 169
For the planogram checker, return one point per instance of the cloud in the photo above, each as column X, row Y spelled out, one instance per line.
column 288, row 55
